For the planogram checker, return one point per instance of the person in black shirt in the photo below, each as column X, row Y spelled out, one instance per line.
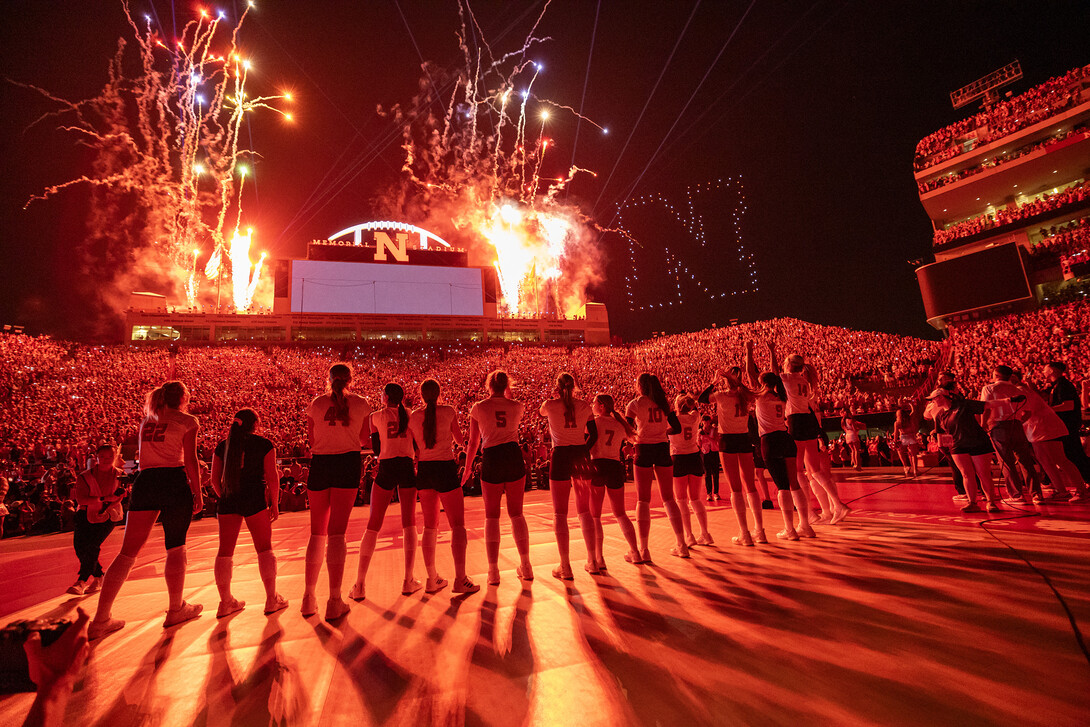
column 972, row 449
column 246, row 480
column 1063, row 397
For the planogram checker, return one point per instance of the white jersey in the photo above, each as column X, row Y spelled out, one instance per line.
column 799, row 392
column 770, row 414
column 1042, row 423
column 687, row 441
column 567, row 430
column 651, row 424
column 333, row 435
column 999, row 390
column 611, row 435
column 161, row 439
column 445, row 418
column 732, row 411
column 385, row 422
column 498, row 418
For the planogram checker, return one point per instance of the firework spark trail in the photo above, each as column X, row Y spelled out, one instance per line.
column 173, row 148
column 478, row 168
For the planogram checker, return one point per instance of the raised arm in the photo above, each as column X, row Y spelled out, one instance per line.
column 751, row 366
column 773, row 362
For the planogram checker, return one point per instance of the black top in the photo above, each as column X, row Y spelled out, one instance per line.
column 960, row 423
column 254, row 449
column 1063, row 390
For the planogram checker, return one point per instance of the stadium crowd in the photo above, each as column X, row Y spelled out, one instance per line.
column 1063, row 241
column 1006, row 117
column 1044, row 203
column 59, row 401
column 1081, row 131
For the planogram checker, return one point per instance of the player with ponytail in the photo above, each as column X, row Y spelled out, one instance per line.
column 246, row 480
column 391, row 441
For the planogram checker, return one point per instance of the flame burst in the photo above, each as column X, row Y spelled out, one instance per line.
column 169, row 138
column 478, row 167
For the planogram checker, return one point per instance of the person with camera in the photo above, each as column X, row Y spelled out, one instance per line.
column 98, row 493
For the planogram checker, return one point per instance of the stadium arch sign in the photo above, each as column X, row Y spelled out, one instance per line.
column 390, row 238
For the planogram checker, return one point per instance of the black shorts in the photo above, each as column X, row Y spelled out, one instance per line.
column 165, row 489
column 248, row 502
column 395, row 472
column 340, row 471
column 975, row 450
column 803, row 427
column 653, row 455
column 778, row 445
column 735, row 443
column 161, row 488
column 569, row 461
column 502, row 463
column 441, row 476
column 608, row 473
column 686, row 465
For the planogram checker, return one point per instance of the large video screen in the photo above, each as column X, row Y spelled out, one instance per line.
column 319, row 286
column 973, row 282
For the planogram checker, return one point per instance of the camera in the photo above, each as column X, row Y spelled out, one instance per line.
column 14, row 670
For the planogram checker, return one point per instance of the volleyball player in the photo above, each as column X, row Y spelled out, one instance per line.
column 571, row 427
column 167, row 486
column 609, row 475
column 650, row 413
column 906, row 428
column 336, row 428
column 493, row 429
column 709, row 452
column 800, row 382
column 98, row 495
column 245, row 478
column 393, row 444
column 779, row 451
column 851, row 427
column 733, row 408
column 689, row 470
column 434, row 429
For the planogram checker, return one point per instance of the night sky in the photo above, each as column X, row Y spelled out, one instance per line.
column 815, row 106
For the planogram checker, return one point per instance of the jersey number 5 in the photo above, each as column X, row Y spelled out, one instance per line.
column 501, row 419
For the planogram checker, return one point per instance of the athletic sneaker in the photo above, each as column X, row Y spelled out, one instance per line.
column 93, row 585
column 787, row 535
column 970, row 507
column 98, row 629
column 1077, row 498
column 960, row 498
column 78, row 588
column 1015, row 500
column 185, row 612
column 993, row 506
column 759, row 536
column 839, row 515
column 806, row 532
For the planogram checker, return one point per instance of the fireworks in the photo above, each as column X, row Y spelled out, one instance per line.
column 169, row 138
column 478, row 168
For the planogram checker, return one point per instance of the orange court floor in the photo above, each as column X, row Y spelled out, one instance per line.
column 908, row 613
